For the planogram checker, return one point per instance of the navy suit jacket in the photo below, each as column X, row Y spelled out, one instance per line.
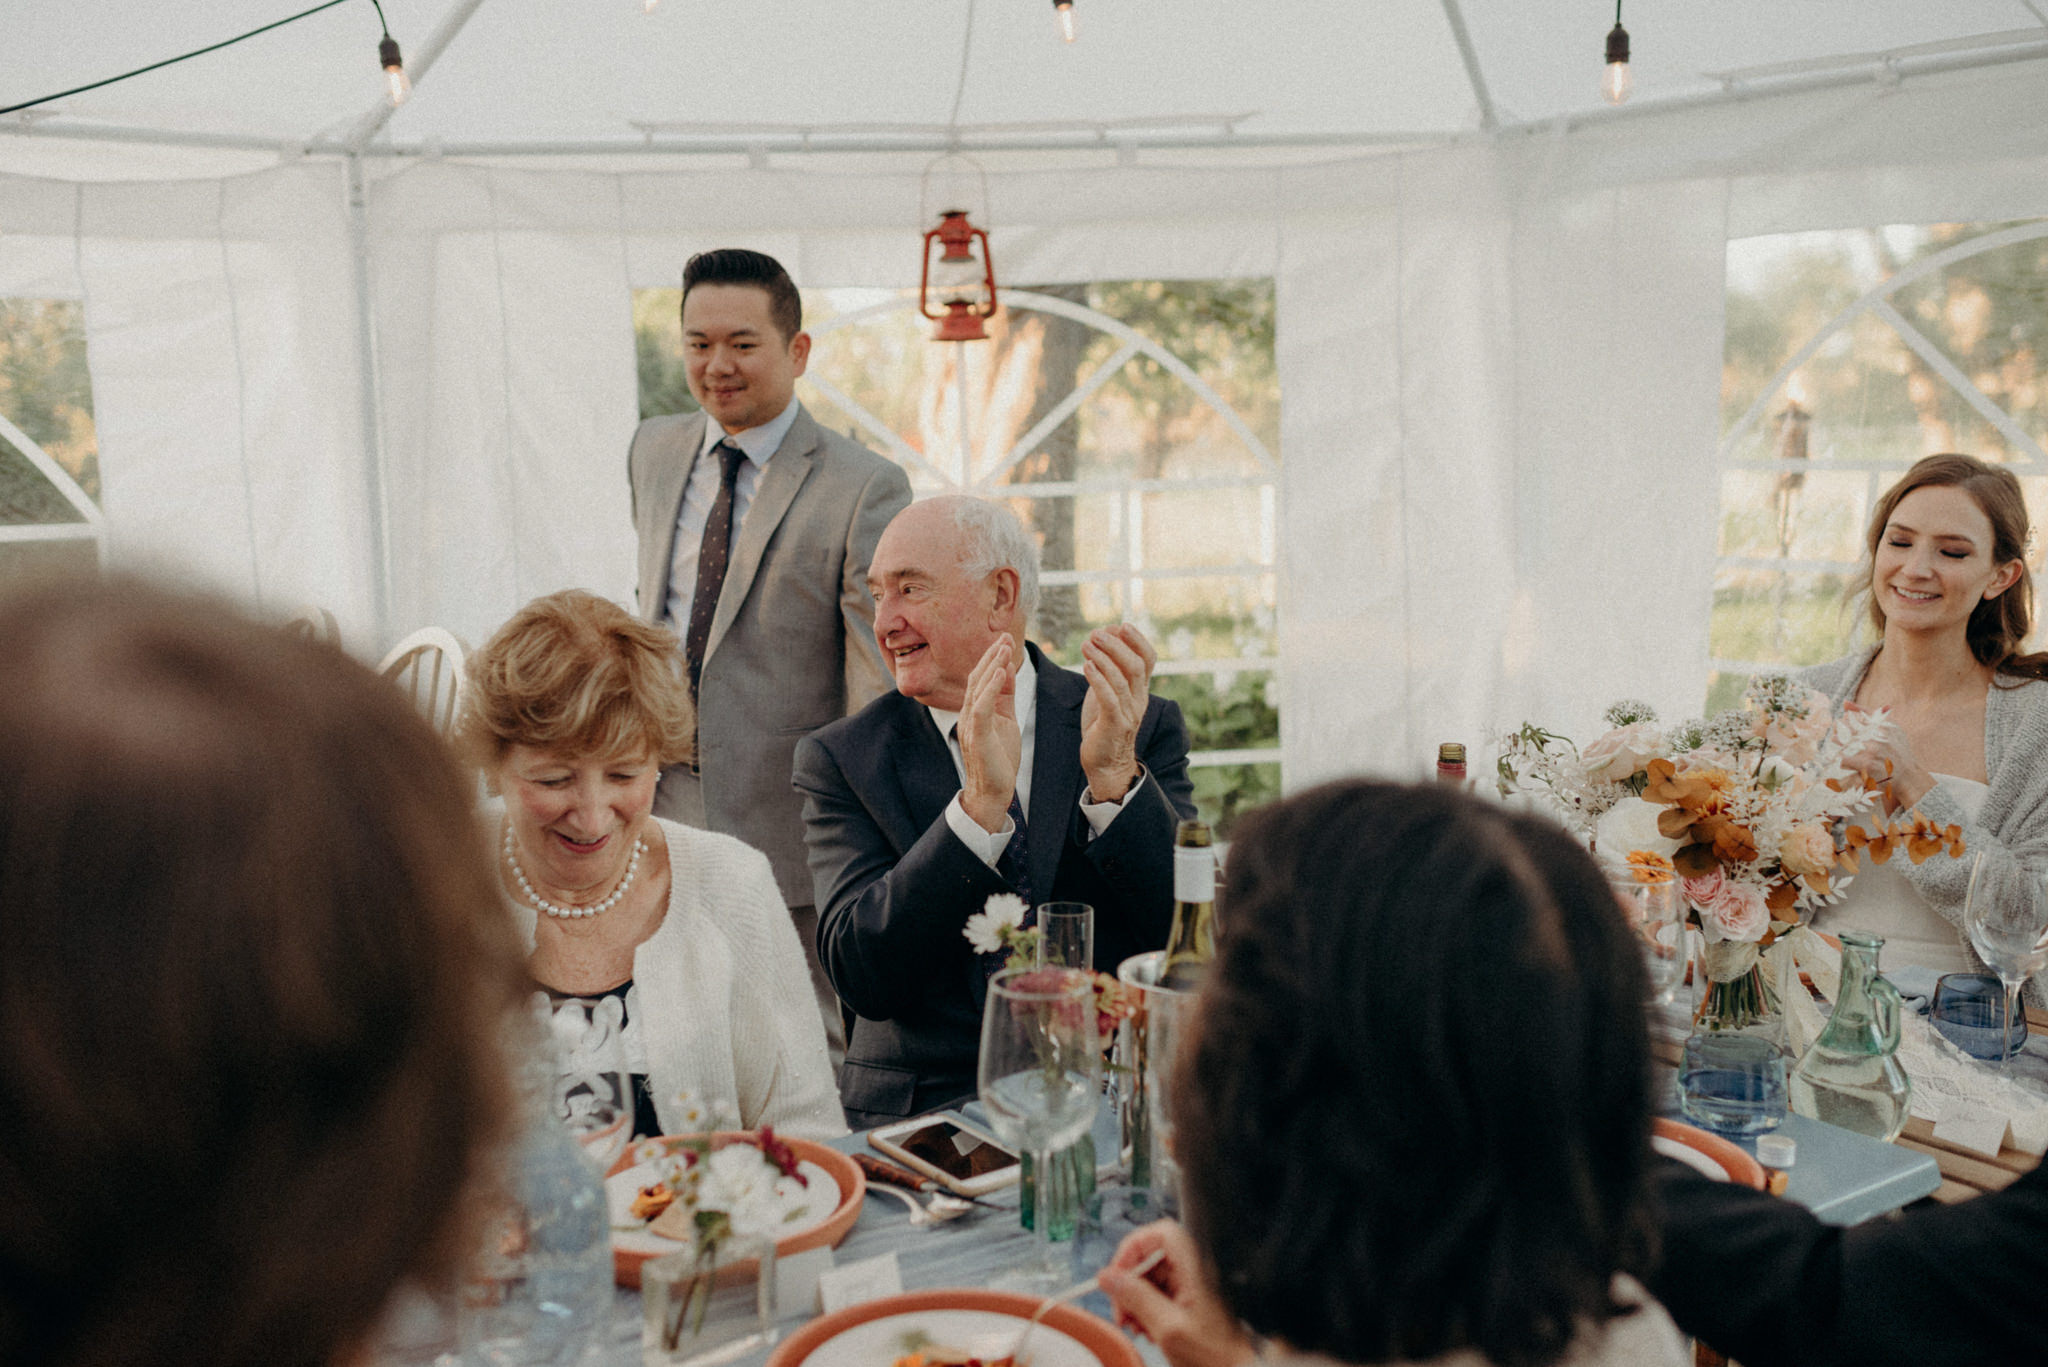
column 895, row 886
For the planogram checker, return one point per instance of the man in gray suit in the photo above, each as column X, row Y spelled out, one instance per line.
column 756, row 526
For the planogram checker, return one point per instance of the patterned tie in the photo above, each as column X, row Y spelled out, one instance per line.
column 1013, row 863
column 713, row 554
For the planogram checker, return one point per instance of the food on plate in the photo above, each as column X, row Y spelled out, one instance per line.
column 919, row 1350
column 653, row 1200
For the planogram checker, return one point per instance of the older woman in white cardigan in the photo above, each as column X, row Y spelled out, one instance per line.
column 665, row 949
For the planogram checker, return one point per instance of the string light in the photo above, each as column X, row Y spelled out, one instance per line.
column 1065, row 10
column 181, row 57
column 647, row 6
column 1615, row 82
column 397, row 85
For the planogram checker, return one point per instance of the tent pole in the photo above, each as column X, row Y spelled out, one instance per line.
column 376, row 483
column 1488, row 120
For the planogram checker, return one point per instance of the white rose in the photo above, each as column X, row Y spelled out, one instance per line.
column 1776, row 771
column 1630, row 825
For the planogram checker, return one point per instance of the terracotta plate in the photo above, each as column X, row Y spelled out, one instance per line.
column 876, row 1333
column 839, row 1186
column 1709, row 1153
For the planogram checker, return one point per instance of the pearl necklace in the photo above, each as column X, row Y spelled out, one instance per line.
column 570, row 913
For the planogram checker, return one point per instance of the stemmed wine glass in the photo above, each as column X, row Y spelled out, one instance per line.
column 2006, row 913
column 1040, row 1073
column 1651, row 899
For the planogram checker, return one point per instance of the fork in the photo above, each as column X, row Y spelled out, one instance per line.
column 1075, row 1292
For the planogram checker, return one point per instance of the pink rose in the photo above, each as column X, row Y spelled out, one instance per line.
column 1623, row 751
column 1806, row 850
column 1728, row 910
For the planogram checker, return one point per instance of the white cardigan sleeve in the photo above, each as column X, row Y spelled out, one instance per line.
column 782, row 1067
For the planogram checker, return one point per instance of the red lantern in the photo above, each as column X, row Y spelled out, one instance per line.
column 962, row 286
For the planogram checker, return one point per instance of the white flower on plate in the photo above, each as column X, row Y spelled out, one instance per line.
column 984, row 929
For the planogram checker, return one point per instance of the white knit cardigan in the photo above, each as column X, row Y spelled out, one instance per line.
column 2012, row 827
column 727, row 1011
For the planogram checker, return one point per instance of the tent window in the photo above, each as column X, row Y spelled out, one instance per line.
column 1133, row 425
column 1849, row 355
column 49, row 454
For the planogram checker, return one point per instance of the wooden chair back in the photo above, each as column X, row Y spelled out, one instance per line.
column 427, row 667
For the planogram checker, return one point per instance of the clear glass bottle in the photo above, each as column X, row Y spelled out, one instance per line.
column 1193, row 941
column 1852, row 1077
column 540, row 1291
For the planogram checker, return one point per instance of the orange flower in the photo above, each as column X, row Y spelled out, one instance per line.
column 1649, row 867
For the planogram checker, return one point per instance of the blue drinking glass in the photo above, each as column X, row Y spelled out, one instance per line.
column 1966, row 1008
column 1732, row 1084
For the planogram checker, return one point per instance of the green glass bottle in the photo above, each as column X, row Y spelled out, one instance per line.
column 1852, row 1077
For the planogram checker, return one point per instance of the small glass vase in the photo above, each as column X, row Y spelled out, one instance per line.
column 1852, row 1076
column 1737, row 994
column 708, row 1307
column 1064, row 1196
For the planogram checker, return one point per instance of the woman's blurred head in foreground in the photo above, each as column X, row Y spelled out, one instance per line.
column 253, row 970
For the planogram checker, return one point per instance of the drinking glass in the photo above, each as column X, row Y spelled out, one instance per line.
column 1732, row 1084
column 1966, row 1011
column 593, row 1085
column 1039, row 1074
column 1066, row 935
column 1651, row 900
column 2005, row 910
column 597, row 1106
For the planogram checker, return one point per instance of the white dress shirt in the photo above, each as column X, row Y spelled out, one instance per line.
column 989, row 846
column 759, row 443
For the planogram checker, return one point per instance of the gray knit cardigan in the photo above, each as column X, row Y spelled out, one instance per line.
column 2013, row 825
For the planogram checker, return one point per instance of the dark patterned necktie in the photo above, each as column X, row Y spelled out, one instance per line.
column 1015, row 860
column 714, row 553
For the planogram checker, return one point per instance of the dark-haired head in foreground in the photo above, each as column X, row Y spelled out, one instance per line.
column 1414, row 1117
column 252, row 971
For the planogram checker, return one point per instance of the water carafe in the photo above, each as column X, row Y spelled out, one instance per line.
column 1851, row 1077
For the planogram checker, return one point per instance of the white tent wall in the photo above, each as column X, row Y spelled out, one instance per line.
column 1499, row 365
column 220, row 326
column 1430, row 332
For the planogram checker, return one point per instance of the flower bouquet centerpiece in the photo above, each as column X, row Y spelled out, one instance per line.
column 715, row 1198
column 1762, row 813
column 999, row 929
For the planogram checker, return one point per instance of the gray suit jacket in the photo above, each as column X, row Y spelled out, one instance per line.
column 793, row 645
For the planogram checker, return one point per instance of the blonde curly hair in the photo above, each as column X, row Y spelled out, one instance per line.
column 580, row 675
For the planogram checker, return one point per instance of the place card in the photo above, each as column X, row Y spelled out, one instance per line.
column 797, row 1276
column 1976, row 1128
column 867, row 1280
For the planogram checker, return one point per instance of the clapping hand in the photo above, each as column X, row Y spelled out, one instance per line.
column 991, row 743
column 1171, row 1305
column 1118, row 664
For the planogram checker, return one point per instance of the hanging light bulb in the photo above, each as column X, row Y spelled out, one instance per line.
column 1615, row 82
column 647, row 6
column 397, row 85
column 1065, row 10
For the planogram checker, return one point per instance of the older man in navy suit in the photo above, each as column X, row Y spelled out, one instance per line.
column 989, row 770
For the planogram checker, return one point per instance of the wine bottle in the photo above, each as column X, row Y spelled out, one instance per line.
column 1193, row 942
column 1450, row 763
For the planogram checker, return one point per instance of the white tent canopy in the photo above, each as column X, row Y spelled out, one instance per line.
column 387, row 364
